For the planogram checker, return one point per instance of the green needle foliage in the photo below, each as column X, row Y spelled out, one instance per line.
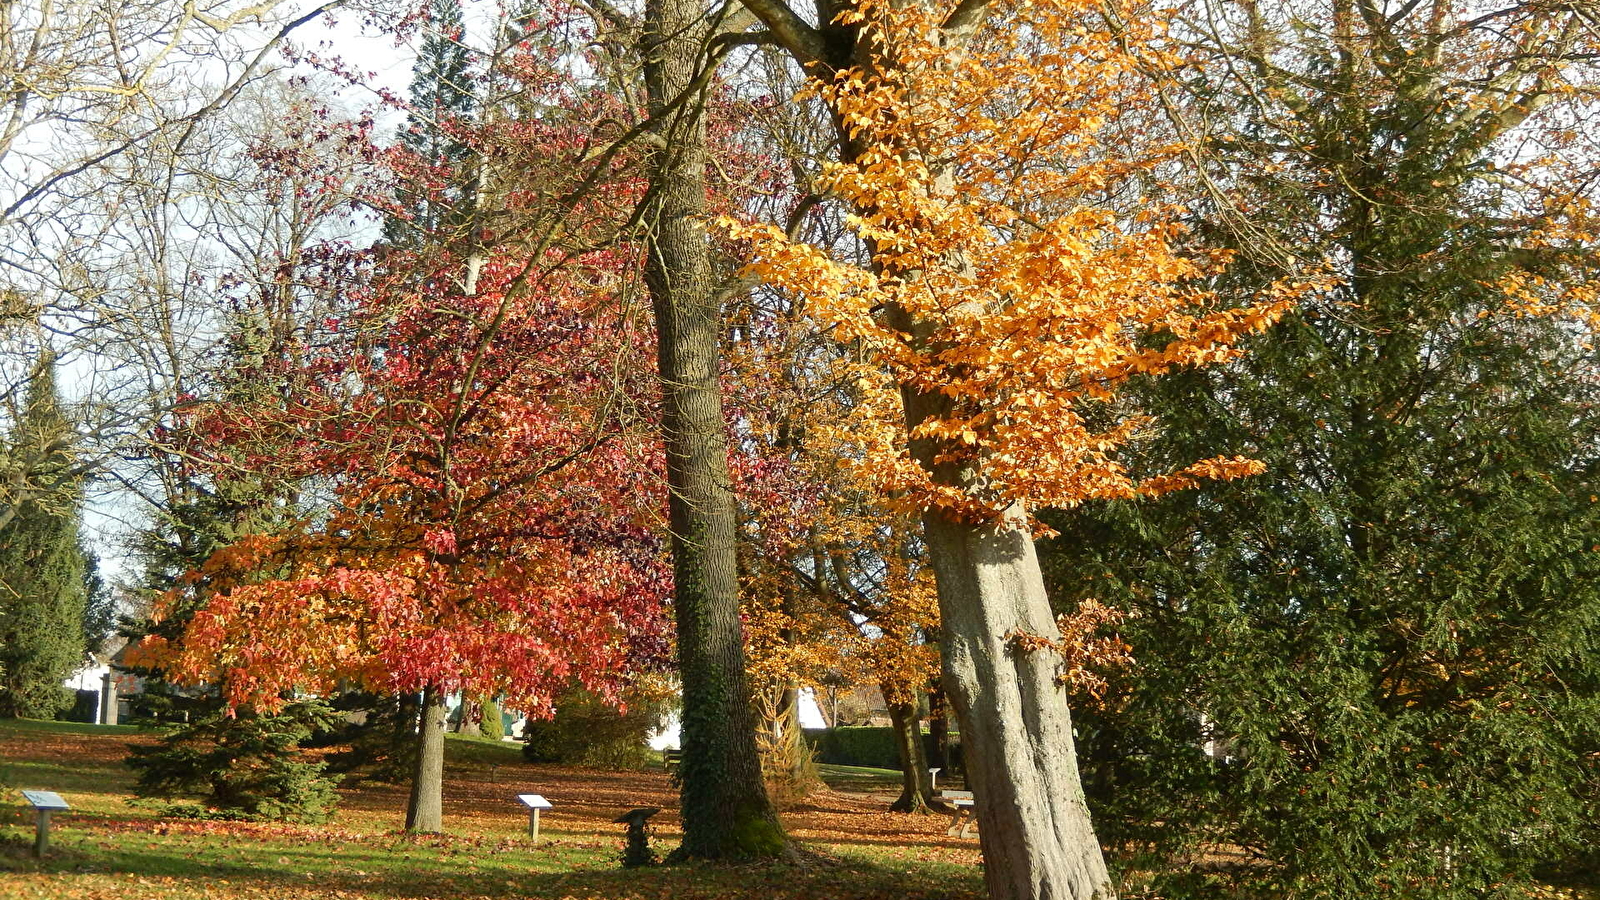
column 43, row 586
column 241, row 765
column 1388, row 642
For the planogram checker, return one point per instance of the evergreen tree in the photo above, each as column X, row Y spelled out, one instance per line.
column 100, row 606
column 1387, row 642
column 443, row 99
column 238, row 763
column 42, row 566
column 242, row 765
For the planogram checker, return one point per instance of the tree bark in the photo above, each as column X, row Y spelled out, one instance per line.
column 1016, row 731
column 425, row 809
column 726, row 811
column 939, row 730
column 916, row 792
column 471, row 721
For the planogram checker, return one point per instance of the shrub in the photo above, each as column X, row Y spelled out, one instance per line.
column 246, row 766
column 493, row 726
column 585, row 731
column 865, row 745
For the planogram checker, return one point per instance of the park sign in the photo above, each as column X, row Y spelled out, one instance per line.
column 534, row 803
column 45, row 801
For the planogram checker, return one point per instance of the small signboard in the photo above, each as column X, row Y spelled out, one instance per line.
column 47, row 801
column 44, row 803
column 531, row 801
column 534, row 803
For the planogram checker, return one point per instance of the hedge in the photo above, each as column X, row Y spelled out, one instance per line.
column 872, row 746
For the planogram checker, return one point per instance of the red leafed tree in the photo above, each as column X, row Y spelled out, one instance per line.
column 472, row 420
column 488, row 533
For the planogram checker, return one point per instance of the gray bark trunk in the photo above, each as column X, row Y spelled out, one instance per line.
column 425, row 809
column 726, row 811
column 1016, row 731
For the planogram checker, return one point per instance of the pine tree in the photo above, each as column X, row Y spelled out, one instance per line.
column 237, row 763
column 443, row 98
column 42, row 566
column 1388, row 641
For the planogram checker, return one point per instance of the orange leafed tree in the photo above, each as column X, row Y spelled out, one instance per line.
column 1017, row 279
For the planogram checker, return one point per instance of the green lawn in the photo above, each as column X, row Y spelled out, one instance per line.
column 18, row 728
column 112, row 846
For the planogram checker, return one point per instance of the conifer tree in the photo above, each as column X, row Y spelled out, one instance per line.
column 237, row 763
column 443, row 98
column 42, row 568
column 1386, row 643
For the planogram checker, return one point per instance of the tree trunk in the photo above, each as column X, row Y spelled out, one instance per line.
column 425, row 810
column 726, row 811
column 1016, row 730
column 471, row 721
column 939, row 730
column 916, row 793
column 785, row 739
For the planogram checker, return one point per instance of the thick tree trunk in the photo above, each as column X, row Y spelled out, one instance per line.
column 916, row 791
column 425, row 809
column 1016, row 730
column 726, row 811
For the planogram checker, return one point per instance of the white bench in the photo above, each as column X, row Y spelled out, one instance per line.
column 965, row 816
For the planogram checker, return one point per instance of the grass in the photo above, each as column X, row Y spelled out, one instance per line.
column 20, row 728
column 112, row 846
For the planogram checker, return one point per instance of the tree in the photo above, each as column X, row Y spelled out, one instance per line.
column 1391, row 631
column 242, row 764
column 726, row 811
column 43, row 570
column 438, row 130
column 97, row 85
column 451, row 559
column 1004, row 306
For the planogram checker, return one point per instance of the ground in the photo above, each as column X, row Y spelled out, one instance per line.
column 114, row 847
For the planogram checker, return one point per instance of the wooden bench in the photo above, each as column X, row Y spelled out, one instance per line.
column 965, row 816
column 671, row 759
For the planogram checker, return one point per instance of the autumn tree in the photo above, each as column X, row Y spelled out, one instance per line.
column 1391, row 630
column 1004, row 305
column 476, row 428
column 244, row 762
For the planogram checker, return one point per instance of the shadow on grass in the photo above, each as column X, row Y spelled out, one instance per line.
column 404, row 870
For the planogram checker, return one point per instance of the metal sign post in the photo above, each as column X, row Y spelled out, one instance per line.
column 44, row 803
column 534, row 803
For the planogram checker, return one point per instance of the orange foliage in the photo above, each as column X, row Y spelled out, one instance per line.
column 983, row 179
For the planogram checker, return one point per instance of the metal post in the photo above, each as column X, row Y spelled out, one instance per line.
column 41, row 836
